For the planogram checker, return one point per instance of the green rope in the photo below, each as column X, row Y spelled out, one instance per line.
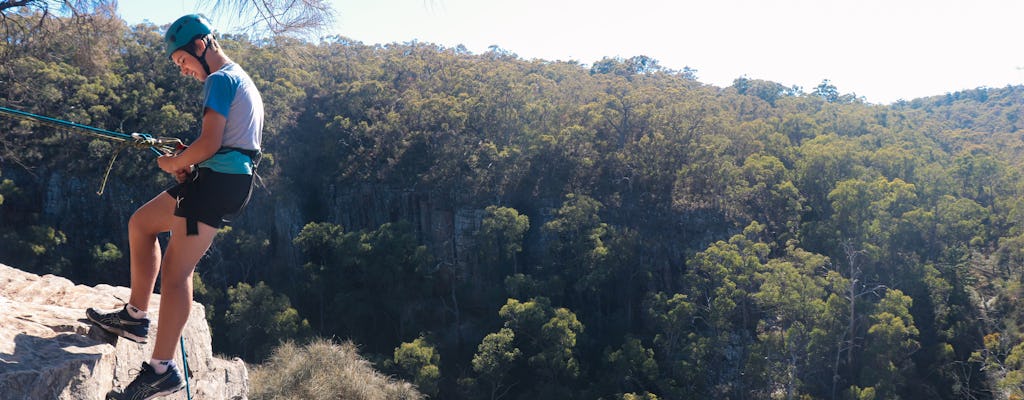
column 110, row 166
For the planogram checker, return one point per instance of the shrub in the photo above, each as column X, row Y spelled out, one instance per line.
column 323, row 369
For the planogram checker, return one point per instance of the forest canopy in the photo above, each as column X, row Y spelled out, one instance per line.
column 490, row 227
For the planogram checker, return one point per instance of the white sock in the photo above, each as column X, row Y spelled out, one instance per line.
column 135, row 312
column 160, row 366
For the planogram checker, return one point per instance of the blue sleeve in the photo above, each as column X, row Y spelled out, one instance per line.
column 219, row 93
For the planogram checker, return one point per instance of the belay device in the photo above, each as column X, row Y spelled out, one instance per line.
column 159, row 145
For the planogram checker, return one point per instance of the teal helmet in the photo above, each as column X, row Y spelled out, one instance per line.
column 185, row 30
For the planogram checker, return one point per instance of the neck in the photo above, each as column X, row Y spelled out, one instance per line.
column 216, row 60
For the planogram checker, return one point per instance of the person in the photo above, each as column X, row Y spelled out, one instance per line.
column 215, row 179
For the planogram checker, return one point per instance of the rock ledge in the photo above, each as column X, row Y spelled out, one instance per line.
column 48, row 350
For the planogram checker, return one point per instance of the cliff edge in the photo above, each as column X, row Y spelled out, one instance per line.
column 49, row 350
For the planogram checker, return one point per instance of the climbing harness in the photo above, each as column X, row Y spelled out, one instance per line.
column 159, row 145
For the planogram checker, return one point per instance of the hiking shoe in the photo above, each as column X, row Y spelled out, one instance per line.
column 148, row 384
column 120, row 323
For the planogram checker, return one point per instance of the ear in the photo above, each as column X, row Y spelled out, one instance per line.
column 199, row 45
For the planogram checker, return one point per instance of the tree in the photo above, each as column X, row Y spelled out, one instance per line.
column 577, row 248
column 891, row 340
column 765, row 90
column 631, row 368
column 6, row 186
column 721, row 281
column 542, row 350
column 33, row 24
column 678, row 347
column 330, row 252
column 32, row 21
column 768, row 196
column 493, row 362
column 628, row 67
column 280, row 17
column 42, row 242
column 978, row 175
column 350, row 272
column 500, row 238
column 46, row 9
column 420, row 361
column 960, row 224
column 793, row 295
column 258, row 319
column 106, row 258
column 639, row 396
column 827, row 91
column 497, row 245
column 865, row 215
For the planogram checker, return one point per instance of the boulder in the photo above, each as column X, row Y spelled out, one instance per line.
column 49, row 350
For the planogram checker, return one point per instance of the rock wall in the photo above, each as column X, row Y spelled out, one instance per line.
column 444, row 227
column 69, row 203
column 49, row 350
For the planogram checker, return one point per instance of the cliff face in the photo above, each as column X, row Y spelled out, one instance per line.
column 444, row 227
column 48, row 350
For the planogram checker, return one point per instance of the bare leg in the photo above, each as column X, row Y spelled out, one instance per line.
column 151, row 219
column 183, row 253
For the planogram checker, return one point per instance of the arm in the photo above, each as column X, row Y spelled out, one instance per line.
column 202, row 149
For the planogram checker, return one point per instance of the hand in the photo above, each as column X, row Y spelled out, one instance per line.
column 182, row 175
column 169, row 163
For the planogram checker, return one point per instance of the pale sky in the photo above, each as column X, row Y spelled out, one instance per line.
column 884, row 50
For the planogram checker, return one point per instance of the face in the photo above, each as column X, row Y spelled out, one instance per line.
column 189, row 65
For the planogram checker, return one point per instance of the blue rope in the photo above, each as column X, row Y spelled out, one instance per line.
column 158, row 145
column 62, row 123
column 184, row 360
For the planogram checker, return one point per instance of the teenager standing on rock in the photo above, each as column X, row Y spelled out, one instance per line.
column 215, row 177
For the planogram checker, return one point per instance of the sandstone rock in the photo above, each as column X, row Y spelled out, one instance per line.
column 48, row 350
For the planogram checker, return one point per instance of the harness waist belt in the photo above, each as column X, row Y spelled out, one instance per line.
column 252, row 154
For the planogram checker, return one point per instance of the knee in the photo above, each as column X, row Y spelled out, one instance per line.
column 139, row 223
column 153, row 217
column 176, row 285
column 135, row 222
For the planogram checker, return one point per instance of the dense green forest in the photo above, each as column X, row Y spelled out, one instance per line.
column 490, row 227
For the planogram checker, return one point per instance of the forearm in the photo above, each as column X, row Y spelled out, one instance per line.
column 197, row 152
column 205, row 146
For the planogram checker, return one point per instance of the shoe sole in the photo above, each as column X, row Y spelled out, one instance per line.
column 118, row 331
column 117, row 396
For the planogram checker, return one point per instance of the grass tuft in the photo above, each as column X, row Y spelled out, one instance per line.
column 323, row 369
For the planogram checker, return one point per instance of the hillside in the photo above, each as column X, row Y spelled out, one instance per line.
column 485, row 226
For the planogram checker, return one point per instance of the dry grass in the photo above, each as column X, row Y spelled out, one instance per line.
column 324, row 370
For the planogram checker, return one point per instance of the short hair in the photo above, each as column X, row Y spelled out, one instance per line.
column 208, row 38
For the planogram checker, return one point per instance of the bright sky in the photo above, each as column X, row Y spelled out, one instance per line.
column 884, row 50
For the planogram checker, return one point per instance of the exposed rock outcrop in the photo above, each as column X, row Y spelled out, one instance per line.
column 48, row 350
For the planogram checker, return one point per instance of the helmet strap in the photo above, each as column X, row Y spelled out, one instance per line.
column 202, row 57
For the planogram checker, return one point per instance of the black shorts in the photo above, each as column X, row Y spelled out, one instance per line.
column 209, row 196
